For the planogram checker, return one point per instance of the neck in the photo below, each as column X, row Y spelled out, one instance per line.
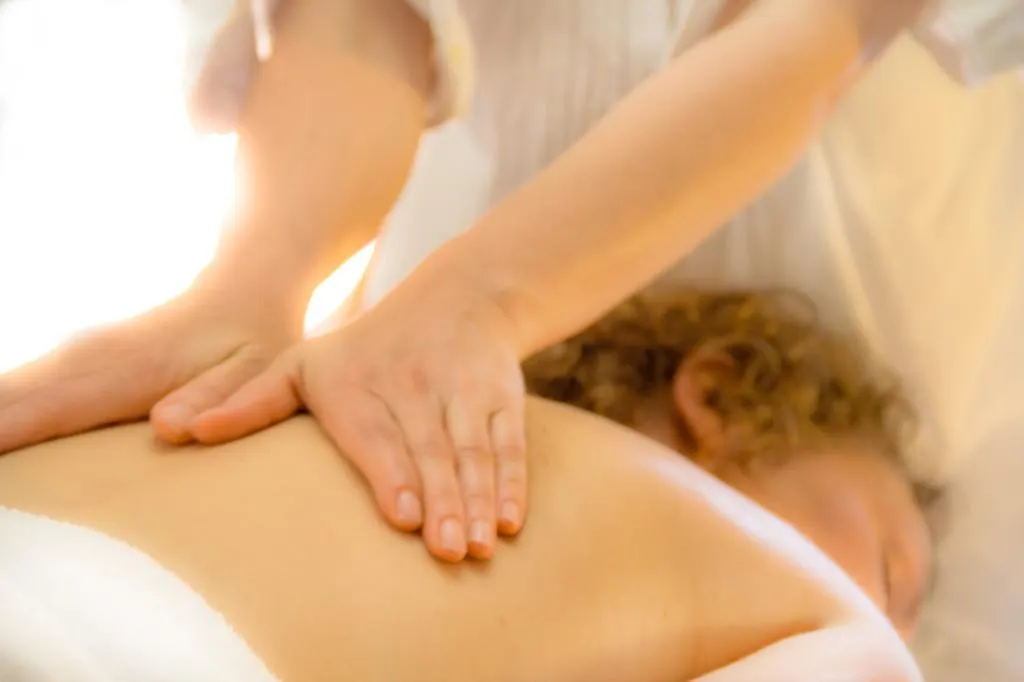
column 658, row 420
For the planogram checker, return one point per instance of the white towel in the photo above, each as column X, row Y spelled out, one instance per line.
column 78, row 606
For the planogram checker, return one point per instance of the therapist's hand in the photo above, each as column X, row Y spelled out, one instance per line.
column 424, row 394
column 170, row 363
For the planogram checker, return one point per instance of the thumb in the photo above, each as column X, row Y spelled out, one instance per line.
column 267, row 399
column 172, row 416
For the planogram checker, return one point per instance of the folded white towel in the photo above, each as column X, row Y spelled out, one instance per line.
column 78, row 606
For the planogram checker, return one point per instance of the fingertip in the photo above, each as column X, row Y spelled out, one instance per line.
column 408, row 512
column 481, row 540
column 480, row 552
column 216, row 426
column 508, row 435
column 510, row 518
column 449, row 541
column 170, row 424
column 171, row 436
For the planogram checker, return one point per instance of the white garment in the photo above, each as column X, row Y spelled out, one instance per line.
column 78, row 606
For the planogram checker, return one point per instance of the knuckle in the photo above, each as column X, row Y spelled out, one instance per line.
column 476, row 452
column 510, row 451
column 444, row 502
column 387, row 469
column 470, row 386
column 387, row 458
column 480, row 503
column 431, row 451
column 513, row 476
column 204, row 396
column 512, row 387
column 418, row 380
column 514, row 487
column 381, row 430
column 389, row 480
column 254, row 360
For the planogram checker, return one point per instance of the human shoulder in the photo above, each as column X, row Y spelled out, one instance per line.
column 754, row 579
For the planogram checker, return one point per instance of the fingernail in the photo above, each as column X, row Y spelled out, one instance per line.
column 409, row 510
column 480, row 534
column 176, row 416
column 510, row 516
column 453, row 538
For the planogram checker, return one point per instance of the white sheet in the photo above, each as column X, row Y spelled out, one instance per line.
column 77, row 606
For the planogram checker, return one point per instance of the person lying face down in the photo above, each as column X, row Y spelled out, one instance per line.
column 752, row 389
column 635, row 563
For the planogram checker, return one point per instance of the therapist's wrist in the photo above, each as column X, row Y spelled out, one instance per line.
column 492, row 285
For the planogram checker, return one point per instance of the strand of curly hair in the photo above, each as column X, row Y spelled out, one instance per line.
column 790, row 381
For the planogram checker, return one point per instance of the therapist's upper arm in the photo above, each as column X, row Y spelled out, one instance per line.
column 386, row 33
column 849, row 34
column 875, row 22
column 878, row 22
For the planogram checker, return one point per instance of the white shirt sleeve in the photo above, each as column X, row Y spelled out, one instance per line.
column 974, row 40
column 225, row 67
column 453, row 57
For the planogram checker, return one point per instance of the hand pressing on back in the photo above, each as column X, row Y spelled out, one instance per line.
column 424, row 394
column 171, row 364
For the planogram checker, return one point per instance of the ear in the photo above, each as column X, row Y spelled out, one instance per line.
column 692, row 385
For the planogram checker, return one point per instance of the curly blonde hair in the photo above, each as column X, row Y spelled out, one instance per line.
column 788, row 382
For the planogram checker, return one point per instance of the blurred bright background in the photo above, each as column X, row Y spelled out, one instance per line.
column 109, row 204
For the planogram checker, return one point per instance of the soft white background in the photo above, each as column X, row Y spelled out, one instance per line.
column 108, row 203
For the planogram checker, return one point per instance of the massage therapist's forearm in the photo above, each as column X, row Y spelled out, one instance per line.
column 326, row 140
column 674, row 160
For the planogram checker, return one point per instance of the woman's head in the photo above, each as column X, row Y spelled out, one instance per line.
column 753, row 389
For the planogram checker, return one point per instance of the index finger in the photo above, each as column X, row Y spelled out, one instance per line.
column 508, row 439
column 365, row 431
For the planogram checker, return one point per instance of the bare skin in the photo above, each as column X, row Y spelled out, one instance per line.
column 636, row 564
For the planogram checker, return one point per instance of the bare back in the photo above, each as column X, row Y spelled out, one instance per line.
column 634, row 563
